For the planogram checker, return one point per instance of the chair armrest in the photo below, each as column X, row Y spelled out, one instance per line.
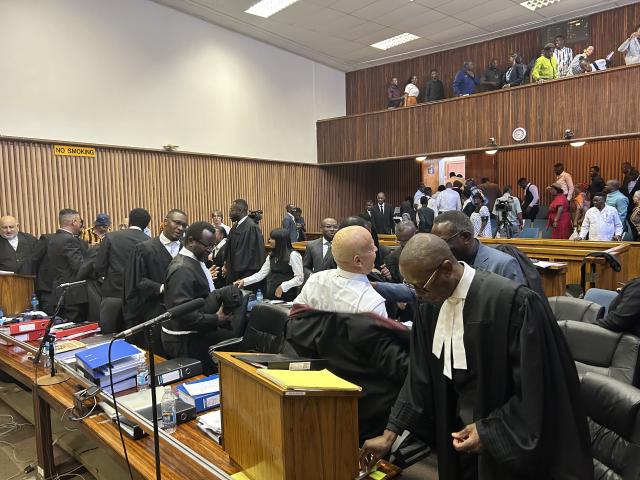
column 226, row 345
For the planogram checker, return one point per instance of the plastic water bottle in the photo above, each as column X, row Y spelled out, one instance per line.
column 259, row 297
column 169, row 410
column 142, row 377
column 34, row 302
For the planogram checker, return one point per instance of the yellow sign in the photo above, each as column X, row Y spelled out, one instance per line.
column 71, row 151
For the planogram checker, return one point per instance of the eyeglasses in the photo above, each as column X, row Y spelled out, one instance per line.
column 207, row 246
column 425, row 288
column 451, row 237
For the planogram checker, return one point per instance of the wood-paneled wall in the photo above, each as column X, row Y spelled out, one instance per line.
column 598, row 104
column 536, row 163
column 35, row 184
column 366, row 89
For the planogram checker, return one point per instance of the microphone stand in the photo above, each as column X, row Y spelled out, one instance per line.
column 55, row 377
column 152, row 371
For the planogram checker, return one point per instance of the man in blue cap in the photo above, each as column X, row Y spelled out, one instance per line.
column 95, row 235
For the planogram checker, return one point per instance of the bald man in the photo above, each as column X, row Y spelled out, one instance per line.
column 404, row 232
column 345, row 289
column 491, row 382
column 16, row 247
column 318, row 255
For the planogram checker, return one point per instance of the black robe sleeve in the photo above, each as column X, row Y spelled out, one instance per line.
column 180, row 287
column 139, row 287
column 544, row 419
column 413, row 409
column 101, row 262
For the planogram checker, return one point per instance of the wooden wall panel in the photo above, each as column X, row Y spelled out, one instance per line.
column 366, row 89
column 537, row 163
column 462, row 124
column 35, row 184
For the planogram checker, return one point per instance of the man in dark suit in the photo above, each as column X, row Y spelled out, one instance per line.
column 216, row 259
column 145, row 274
column 191, row 334
column 368, row 212
column 110, row 262
column 16, row 247
column 425, row 215
column 66, row 253
column 318, row 255
column 44, row 273
column 383, row 215
column 245, row 244
column 289, row 222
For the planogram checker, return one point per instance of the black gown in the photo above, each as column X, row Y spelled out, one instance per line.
column 245, row 250
column 521, row 388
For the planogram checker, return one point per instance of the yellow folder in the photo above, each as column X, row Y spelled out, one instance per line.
column 308, row 380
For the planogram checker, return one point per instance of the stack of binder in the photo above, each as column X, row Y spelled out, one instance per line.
column 92, row 363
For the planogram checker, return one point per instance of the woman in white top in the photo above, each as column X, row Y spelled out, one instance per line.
column 412, row 92
column 282, row 269
column 480, row 218
column 631, row 48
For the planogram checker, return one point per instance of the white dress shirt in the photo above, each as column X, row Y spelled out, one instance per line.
column 411, row 90
column 339, row 291
column 416, row 198
column 564, row 57
column 325, row 246
column 295, row 262
column 631, row 48
column 601, row 225
column 566, row 182
column 13, row 242
column 217, row 248
column 173, row 247
column 448, row 200
column 534, row 193
column 207, row 273
column 241, row 220
column 449, row 331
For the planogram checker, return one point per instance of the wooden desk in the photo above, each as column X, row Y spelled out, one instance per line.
column 178, row 453
column 554, row 280
column 277, row 434
column 15, row 293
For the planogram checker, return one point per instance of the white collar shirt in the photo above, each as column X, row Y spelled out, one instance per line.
column 13, row 242
column 326, row 244
column 534, row 193
column 339, row 291
column 220, row 244
column 241, row 220
column 449, row 200
column 601, row 225
column 449, row 331
column 411, row 90
column 188, row 253
column 173, row 247
column 133, row 227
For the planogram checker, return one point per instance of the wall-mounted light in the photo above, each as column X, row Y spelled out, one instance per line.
column 493, row 147
column 421, row 159
column 568, row 135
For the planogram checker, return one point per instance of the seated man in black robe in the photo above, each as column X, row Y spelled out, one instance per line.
column 16, row 247
column 491, row 383
column 144, row 277
column 191, row 334
column 245, row 244
column 624, row 311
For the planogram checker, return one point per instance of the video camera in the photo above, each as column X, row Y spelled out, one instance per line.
column 255, row 215
column 503, row 206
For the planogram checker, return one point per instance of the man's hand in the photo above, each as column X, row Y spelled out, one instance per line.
column 616, row 238
column 278, row 292
column 213, row 271
column 384, row 271
column 376, row 448
column 579, row 238
column 239, row 283
column 467, row 440
column 224, row 320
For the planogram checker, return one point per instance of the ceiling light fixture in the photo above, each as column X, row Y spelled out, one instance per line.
column 395, row 41
column 492, row 143
column 577, row 144
column 568, row 135
column 533, row 5
column 421, row 159
column 266, row 8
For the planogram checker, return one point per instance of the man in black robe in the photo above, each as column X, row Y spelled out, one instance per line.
column 66, row 254
column 245, row 244
column 191, row 334
column 44, row 274
column 144, row 277
column 110, row 262
column 16, row 247
column 491, row 383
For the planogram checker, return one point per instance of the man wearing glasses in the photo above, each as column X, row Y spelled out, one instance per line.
column 190, row 334
column 491, row 382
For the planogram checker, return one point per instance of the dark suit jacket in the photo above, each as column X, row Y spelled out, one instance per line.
column 186, row 281
column 20, row 260
column 425, row 217
column 624, row 310
column 383, row 222
column 111, row 259
column 218, row 261
column 42, row 265
column 392, row 261
column 289, row 224
column 245, row 250
column 313, row 259
column 66, row 254
column 492, row 260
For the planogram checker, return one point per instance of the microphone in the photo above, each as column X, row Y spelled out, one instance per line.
column 176, row 311
column 71, row 284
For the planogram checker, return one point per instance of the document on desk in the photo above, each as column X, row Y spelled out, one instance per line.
column 308, row 380
column 203, row 388
column 545, row 264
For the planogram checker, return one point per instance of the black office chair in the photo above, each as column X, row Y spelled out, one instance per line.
column 569, row 308
column 264, row 332
column 613, row 410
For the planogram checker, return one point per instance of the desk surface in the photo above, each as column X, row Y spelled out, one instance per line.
column 176, row 463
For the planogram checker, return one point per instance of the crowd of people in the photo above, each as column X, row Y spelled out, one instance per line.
column 556, row 60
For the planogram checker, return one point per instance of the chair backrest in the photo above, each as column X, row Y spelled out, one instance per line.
column 241, row 326
column 596, row 349
column 265, row 330
column 530, row 233
column 570, row 308
column 613, row 410
column 601, row 297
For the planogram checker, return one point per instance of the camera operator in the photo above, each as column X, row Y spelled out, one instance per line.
column 508, row 210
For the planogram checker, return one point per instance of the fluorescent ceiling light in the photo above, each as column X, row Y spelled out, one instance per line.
column 533, row 5
column 421, row 159
column 395, row 41
column 266, row 8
